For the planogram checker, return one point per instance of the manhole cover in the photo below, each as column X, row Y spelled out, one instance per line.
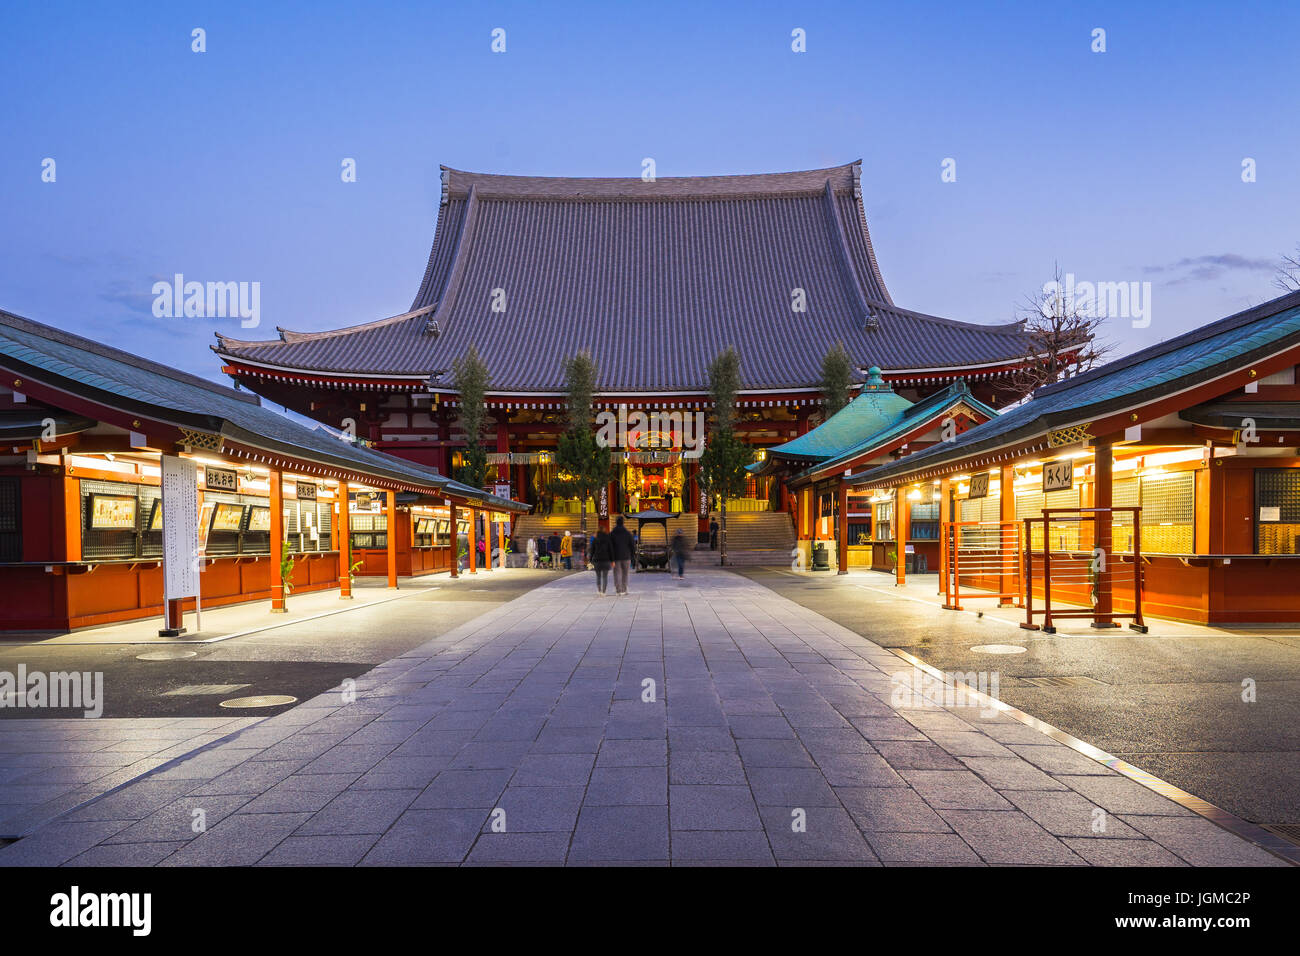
column 1059, row 681
column 998, row 649
column 266, row 700
column 176, row 655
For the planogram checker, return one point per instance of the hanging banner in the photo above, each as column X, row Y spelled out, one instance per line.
column 180, row 512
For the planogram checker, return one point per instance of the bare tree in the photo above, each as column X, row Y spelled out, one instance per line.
column 1288, row 273
column 1061, row 338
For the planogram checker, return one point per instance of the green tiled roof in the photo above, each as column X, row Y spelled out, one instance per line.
column 871, row 420
column 875, row 408
column 922, row 411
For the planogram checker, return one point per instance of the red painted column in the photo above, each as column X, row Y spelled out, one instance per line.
column 503, row 444
column 1007, row 536
column 1103, row 497
column 842, row 531
column 945, row 517
column 391, row 508
column 343, row 528
column 902, row 529
column 277, row 541
column 455, row 540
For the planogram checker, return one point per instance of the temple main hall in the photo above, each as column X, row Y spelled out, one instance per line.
column 654, row 278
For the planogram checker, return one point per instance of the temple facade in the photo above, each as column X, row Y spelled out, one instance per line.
column 654, row 279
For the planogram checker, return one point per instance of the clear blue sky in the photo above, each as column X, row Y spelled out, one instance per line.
column 1122, row 166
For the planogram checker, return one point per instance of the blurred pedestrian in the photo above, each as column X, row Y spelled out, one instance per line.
column 680, row 553
column 602, row 556
column 624, row 550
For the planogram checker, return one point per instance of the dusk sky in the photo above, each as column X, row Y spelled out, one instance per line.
column 225, row 165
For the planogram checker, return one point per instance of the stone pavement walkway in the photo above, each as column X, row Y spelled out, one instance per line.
column 48, row 766
column 706, row 722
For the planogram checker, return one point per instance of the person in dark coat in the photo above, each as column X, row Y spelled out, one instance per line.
column 680, row 553
column 624, row 551
column 713, row 534
column 553, row 546
column 602, row 556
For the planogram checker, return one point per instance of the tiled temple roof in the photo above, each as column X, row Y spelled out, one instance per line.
column 655, row 279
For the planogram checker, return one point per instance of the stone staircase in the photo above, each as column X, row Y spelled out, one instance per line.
column 758, row 537
column 753, row 537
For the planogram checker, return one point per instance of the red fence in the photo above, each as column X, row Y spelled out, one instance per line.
column 1069, row 558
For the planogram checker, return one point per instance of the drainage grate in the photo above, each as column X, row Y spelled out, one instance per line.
column 1060, row 681
column 204, row 690
column 1287, row 831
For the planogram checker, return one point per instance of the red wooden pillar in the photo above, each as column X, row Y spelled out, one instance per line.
column 391, row 508
column 842, row 531
column 277, row 541
column 503, row 445
column 343, row 529
column 473, row 541
column 455, row 540
column 1007, row 533
column 902, row 529
column 487, row 541
column 1103, row 497
column 945, row 516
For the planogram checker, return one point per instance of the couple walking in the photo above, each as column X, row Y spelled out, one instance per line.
column 613, row 548
column 617, row 548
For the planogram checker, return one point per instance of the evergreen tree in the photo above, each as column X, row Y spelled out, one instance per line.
column 725, row 455
column 472, row 382
column 585, row 464
column 837, row 378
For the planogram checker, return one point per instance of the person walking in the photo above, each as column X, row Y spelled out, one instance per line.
column 680, row 553
column 566, row 551
column 532, row 552
column 713, row 534
column 602, row 556
column 624, row 549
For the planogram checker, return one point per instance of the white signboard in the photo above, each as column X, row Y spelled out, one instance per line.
column 180, row 508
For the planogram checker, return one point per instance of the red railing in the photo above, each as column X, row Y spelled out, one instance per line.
column 1079, row 569
column 982, row 559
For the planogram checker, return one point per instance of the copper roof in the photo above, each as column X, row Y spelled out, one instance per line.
column 655, row 278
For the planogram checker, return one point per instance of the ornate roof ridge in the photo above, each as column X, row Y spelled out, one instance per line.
column 493, row 186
